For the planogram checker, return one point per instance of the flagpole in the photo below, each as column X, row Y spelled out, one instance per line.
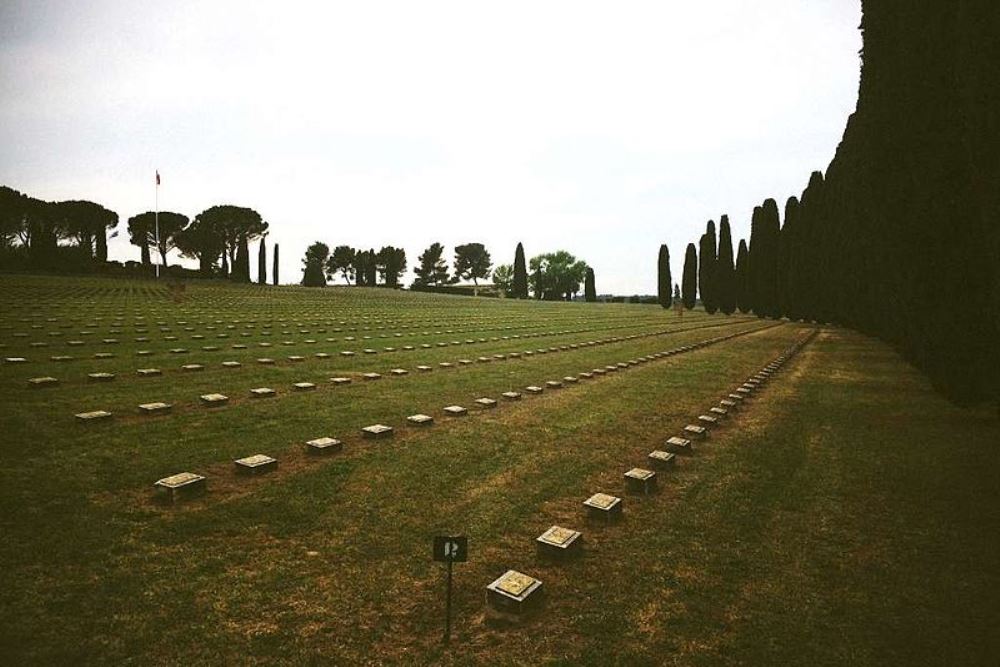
column 156, row 218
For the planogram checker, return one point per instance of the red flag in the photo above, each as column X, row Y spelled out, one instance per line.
column 157, row 176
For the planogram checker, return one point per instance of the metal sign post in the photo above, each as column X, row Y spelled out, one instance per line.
column 450, row 549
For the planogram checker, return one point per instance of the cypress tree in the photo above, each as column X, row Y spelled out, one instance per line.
column 706, row 269
column 262, row 262
column 743, row 278
column 538, row 283
column 274, row 268
column 589, row 289
column 755, row 267
column 771, row 228
column 725, row 270
column 520, row 285
column 372, row 273
column 689, row 280
column 663, row 279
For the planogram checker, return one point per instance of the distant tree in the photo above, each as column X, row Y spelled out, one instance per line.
column 677, row 292
column 236, row 226
column 368, row 267
column 663, row 278
column 589, row 289
column 520, row 286
column 362, row 260
column 706, row 269
column 743, row 278
column 241, row 270
column 86, row 223
column 725, row 270
column 558, row 274
column 536, row 282
column 274, row 263
column 432, row 270
column 142, row 232
column 313, row 264
column 391, row 263
column 14, row 211
column 472, row 261
column 262, row 262
column 503, row 279
column 199, row 240
column 690, row 277
column 341, row 261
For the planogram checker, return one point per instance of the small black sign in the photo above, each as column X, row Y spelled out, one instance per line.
column 448, row 548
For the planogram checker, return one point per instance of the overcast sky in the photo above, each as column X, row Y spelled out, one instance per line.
column 601, row 128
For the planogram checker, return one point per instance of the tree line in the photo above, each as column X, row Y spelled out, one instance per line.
column 74, row 234
column 553, row 276
column 899, row 239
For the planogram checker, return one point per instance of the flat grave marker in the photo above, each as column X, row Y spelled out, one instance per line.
column 183, row 484
column 263, row 392
column 324, row 446
column 558, row 542
column 377, row 431
column 93, row 416
column 661, row 460
column 43, row 382
column 603, row 506
column 514, row 592
column 156, row 408
column 256, row 465
column 640, row 480
column 679, row 445
column 214, row 400
column 456, row 411
column 420, row 420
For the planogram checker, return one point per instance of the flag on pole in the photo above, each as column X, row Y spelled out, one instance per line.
column 157, row 176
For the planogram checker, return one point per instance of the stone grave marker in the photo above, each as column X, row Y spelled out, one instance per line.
column 213, row 400
column 511, row 395
column 303, row 386
column 95, row 415
column 640, row 480
column 263, row 392
column 265, row 361
column 554, row 384
column 104, row 355
column 661, row 460
column 420, row 420
column 533, row 389
column 371, row 376
column 604, row 507
column 192, row 367
column 679, row 445
column 377, row 431
column 324, row 446
column 695, row 432
column 100, row 377
column 231, row 364
column 256, row 465
column 708, row 420
column 296, row 358
column 558, row 542
column 455, row 411
column 399, row 372
column 340, row 381
column 43, row 382
column 486, row 402
column 61, row 357
column 149, row 372
column 719, row 413
column 181, row 485
column 514, row 592
column 424, row 369
column 155, row 408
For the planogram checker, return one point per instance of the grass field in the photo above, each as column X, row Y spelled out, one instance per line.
column 847, row 514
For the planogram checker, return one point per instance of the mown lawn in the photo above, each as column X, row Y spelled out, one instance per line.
column 848, row 515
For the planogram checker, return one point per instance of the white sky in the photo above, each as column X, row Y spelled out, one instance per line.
column 601, row 128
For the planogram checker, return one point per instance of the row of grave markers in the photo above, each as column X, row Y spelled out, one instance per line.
column 176, row 486
column 516, row 592
column 218, row 399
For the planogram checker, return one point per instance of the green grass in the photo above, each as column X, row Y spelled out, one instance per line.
column 848, row 515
